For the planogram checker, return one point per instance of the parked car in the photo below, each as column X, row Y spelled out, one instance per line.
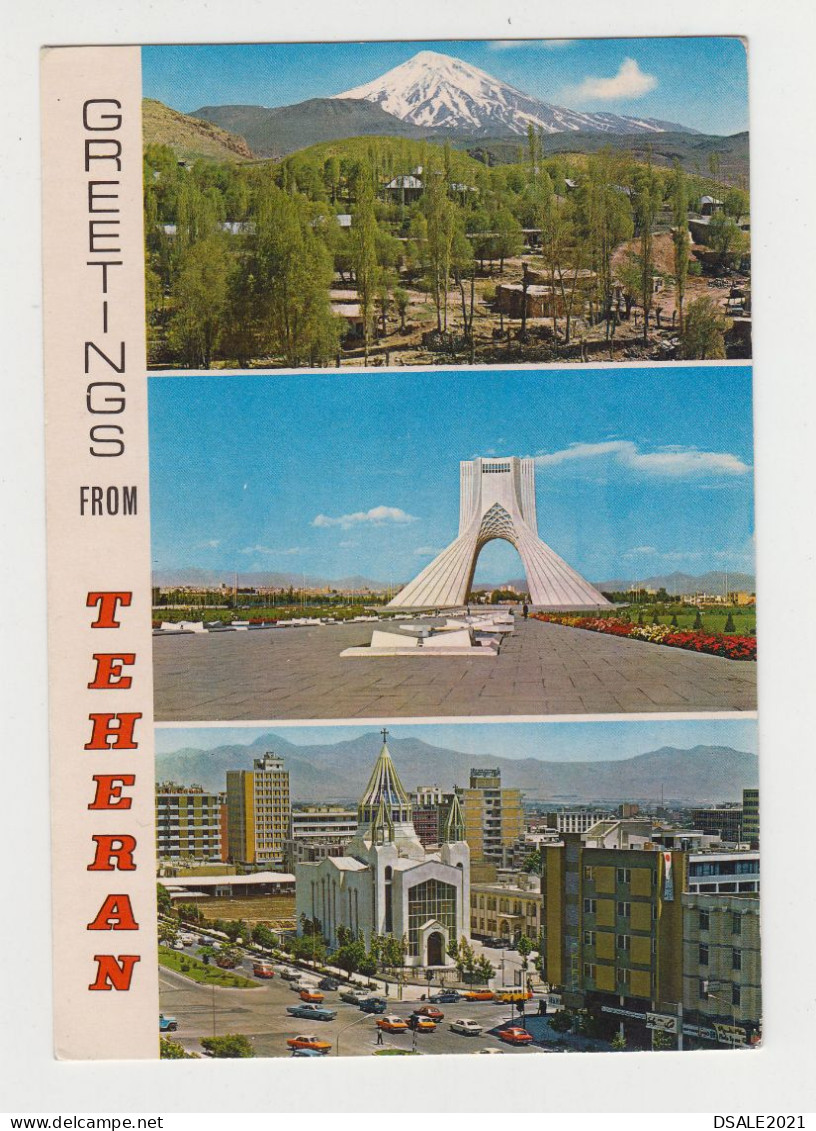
column 374, row 1005
column 392, row 1024
column 443, row 997
column 301, row 985
column 328, row 984
column 309, row 1052
column 515, row 1036
column 263, row 970
column 289, row 975
column 421, row 1024
column 311, row 994
column 309, row 1041
column 354, row 997
column 467, row 1026
column 167, row 1024
column 430, row 1011
column 478, row 995
column 187, row 939
column 311, row 1012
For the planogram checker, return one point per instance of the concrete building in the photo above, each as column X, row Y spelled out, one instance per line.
column 258, row 809
column 724, row 821
column 497, row 501
column 318, row 831
column 576, row 820
column 386, row 882
column 494, row 817
column 750, row 816
column 722, row 995
column 188, row 822
column 612, row 930
column 724, row 873
column 506, row 908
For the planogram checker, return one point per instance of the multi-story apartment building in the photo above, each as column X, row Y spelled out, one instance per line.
column 726, row 821
column 724, row 873
column 750, row 816
column 575, row 820
column 612, row 929
column 258, row 809
column 507, row 907
column 318, row 831
column 494, row 817
column 722, row 995
column 188, row 822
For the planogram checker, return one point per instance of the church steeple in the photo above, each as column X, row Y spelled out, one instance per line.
column 453, row 830
column 384, row 803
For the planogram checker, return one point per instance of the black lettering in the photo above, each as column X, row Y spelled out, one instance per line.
column 120, row 368
column 94, row 196
column 112, row 405
column 93, row 143
column 99, row 436
column 100, row 118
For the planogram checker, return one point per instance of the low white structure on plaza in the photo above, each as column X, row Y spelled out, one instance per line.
column 497, row 500
column 386, row 883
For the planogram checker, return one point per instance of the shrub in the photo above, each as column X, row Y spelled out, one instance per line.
column 233, row 1045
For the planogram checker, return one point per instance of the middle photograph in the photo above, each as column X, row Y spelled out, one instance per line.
column 434, row 544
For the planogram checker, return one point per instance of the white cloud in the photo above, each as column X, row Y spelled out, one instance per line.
column 210, row 544
column 638, row 551
column 427, row 551
column 668, row 462
column 629, row 82
column 272, row 551
column 377, row 516
column 518, row 44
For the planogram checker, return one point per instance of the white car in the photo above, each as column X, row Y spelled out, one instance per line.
column 466, row 1025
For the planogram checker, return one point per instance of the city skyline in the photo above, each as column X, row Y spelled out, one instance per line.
column 699, row 81
column 347, row 474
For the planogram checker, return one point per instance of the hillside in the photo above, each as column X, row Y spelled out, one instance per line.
column 692, row 151
column 281, row 130
column 339, row 771
column 190, row 138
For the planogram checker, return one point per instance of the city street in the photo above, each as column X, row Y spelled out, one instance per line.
column 260, row 1014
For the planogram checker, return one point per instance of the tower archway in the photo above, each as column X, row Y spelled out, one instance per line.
column 435, row 948
column 497, row 501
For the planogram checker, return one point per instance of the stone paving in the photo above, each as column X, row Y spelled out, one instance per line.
column 543, row 669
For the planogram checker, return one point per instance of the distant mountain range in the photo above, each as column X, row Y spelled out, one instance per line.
column 339, row 771
column 432, row 96
column 190, row 137
column 712, row 582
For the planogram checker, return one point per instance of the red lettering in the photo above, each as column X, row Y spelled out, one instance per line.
column 108, row 605
column 114, row 972
column 109, row 670
column 109, row 791
column 109, row 848
column 115, row 914
column 122, row 733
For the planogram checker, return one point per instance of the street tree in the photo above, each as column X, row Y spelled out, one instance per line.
column 680, row 237
column 703, row 337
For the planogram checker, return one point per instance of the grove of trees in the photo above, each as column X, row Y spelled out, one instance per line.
column 241, row 257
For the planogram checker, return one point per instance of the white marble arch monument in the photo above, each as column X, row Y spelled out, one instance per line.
column 497, row 500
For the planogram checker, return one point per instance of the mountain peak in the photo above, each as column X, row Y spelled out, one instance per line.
column 440, row 91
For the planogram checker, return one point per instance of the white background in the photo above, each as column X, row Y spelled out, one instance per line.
column 780, row 1076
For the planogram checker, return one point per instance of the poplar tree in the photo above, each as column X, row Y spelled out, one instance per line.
column 364, row 253
column 680, row 240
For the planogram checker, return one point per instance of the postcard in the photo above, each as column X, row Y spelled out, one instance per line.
column 401, row 549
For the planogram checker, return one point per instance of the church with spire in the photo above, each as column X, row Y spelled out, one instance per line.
column 386, row 882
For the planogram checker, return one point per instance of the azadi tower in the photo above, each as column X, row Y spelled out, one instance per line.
column 497, row 500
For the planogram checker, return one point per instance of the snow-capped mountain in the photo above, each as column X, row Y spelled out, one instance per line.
column 435, row 90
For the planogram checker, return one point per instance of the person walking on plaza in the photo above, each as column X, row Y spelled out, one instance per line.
column 524, row 610
column 379, row 1037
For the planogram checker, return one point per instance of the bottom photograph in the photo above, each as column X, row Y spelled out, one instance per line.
column 488, row 888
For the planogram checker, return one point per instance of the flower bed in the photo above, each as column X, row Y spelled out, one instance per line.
column 712, row 643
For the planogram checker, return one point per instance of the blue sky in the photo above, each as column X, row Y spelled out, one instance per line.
column 699, row 82
column 551, row 742
column 639, row 472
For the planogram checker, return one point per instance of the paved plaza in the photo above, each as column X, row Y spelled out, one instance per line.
column 543, row 669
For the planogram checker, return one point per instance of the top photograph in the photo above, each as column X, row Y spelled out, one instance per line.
column 513, row 202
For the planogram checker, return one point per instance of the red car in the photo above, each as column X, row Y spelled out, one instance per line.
column 515, row 1036
column 430, row 1011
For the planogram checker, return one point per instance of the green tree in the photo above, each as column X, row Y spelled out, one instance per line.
column 165, row 903
column 619, row 1042
column 736, row 204
column 724, row 236
column 483, row 970
column 729, row 624
column 364, row 253
column 200, row 293
column 174, row 1050
column 262, row 935
column 646, row 197
column 703, row 337
column 532, row 862
column 680, row 238
column 233, row 1046
column 401, row 301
